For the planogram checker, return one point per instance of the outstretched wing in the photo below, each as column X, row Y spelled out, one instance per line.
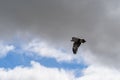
column 75, row 48
column 75, row 39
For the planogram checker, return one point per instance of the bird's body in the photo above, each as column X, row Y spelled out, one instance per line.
column 77, row 43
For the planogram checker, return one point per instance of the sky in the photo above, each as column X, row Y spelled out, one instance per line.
column 35, row 39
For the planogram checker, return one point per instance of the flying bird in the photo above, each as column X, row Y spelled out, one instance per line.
column 77, row 43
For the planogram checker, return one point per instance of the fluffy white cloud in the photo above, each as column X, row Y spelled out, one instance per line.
column 4, row 49
column 44, row 50
column 39, row 72
column 100, row 73
column 35, row 72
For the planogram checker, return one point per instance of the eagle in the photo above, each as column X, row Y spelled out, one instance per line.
column 77, row 43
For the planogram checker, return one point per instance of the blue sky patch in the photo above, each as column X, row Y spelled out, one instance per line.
column 14, row 59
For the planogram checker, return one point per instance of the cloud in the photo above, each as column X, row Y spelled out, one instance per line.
column 4, row 49
column 57, row 21
column 97, row 72
column 35, row 72
column 43, row 49
column 53, row 20
column 39, row 72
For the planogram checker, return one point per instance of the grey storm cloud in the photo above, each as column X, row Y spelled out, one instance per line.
column 58, row 20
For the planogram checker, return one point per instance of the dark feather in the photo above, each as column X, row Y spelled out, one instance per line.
column 76, row 44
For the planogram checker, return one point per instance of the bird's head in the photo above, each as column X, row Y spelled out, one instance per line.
column 83, row 41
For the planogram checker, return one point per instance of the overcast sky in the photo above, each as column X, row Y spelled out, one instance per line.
column 48, row 25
